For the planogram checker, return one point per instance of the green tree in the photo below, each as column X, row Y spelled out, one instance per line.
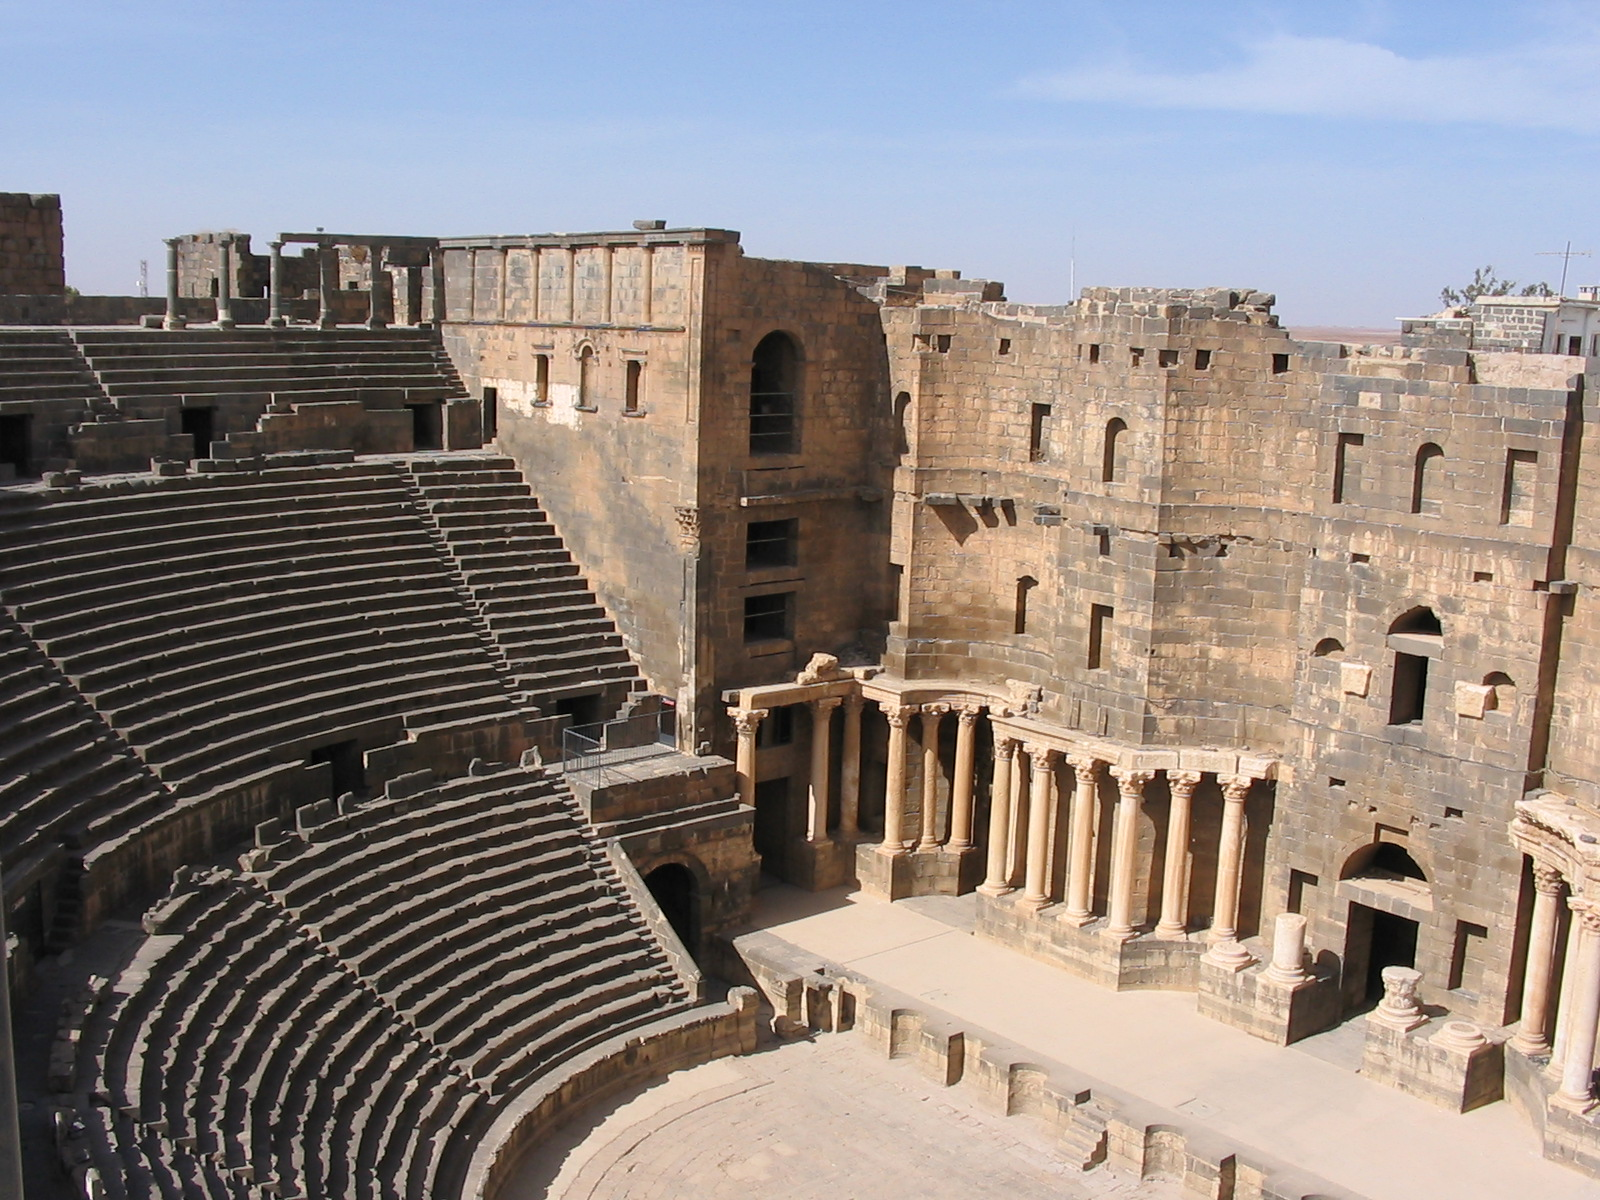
column 1486, row 283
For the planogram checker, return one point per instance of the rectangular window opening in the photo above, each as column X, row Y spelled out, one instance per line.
column 1039, row 433
column 1136, row 355
column 1005, row 345
column 942, row 343
column 1202, row 360
column 768, row 618
column 1302, row 887
column 1346, row 466
column 633, row 393
column 1100, row 618
column 541, row 379
column 491, row 412
column 771, row 544
column 1409, row 697
column 1280, row 363
column 777, row 729
column 1094, row 352
column 1167, row 358
column 1466, row 963
column 1516, row 496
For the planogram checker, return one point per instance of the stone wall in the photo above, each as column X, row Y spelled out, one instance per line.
column 31, row 260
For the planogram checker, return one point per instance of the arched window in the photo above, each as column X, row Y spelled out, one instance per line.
column 1425, row 479
column 1383, row 860
column 1415, row 638
column 902, row 418
column 774, row 396
column 1111, row 456
column 1329, row 648
column 586, row 378
column 1024, row 585
column 1502, row 696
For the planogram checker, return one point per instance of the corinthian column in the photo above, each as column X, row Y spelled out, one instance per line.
column 174, row 318
column 1533, row 1036
column 996, row 881
column 821, row 755
column 1041, row 806
column 850, row 770
column 225, row 283
column 932, row 714
column 1174, row 921
column 961, row 786
column 894, row 792
column 1230, row 858
column 1577, row 1070
column 1125, row 850
column 746, row 721
column 1080, row 846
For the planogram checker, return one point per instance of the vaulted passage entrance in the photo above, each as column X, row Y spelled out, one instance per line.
column 674, row 888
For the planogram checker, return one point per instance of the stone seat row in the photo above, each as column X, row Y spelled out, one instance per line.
column 253, row 1048
column 44, row 365
column 247, row 1038
column 61, row 769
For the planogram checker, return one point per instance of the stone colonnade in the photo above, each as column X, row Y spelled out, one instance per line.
column 327, row 281
column 1564, row 1027
column 1017, row 857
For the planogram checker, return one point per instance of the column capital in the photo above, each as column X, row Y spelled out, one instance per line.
column 1235, row 787
column 937, row 709
column 746, row 719
column 1042, row 756
column 826, row 704
column 1131, row 780
column 275, row 245
column 1004, row 747
column 968, row 714
column 1547, row 879
column 854, row 703
column 1183, row 783
column 898, row 714
column 1084, row 764
column 172, row 242
column 1587, row 911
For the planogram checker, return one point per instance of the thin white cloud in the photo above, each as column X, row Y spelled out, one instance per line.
column 1549, row 86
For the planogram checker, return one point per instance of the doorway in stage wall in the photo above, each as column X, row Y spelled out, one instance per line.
column 772, row 824
column 675, row 890
column 1374, row 940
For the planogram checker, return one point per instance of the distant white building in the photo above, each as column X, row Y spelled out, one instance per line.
column 1531, row 324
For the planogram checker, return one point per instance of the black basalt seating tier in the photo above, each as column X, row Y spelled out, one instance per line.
column 346, row 1015
column 134, row 363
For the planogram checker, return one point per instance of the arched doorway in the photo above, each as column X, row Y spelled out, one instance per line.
column 678, row 893
column 1379, row 932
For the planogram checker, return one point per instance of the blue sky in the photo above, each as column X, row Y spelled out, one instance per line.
column 1351, row 157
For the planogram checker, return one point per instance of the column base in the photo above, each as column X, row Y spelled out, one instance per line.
column 227, row 323
column 1171, row 933
column 1229, row 955
column 277, row 322
column 1118, row 935
column 175, row 323
column 327, row 323
column 1077, row 920
column 377, row 325
column 995, row 889
column 1532, row 1047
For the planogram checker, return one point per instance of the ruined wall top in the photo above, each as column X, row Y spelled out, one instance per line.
column 32, row 262
column 1194, row 304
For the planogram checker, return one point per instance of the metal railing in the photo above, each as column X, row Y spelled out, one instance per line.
column 591, row 753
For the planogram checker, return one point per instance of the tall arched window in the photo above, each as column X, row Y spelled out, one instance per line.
column 1112, row 453
column 1024, row 585
column 774, row 396
column 1425, row 481
column 586, row 377
column 1415, row 638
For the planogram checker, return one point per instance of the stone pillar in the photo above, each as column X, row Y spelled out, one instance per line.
column 327, row 284
column 436, row 282
column 225, row 284
column 1080, row 844
column 996, row 881
column 1230, row 859
column 961, row 786
column 746, row 721
column 821, row 758
column 1533, row 1035
column 1577, row 1069
column 850, row 771
column 1174, row 921
column 275, row 317
column 375, row 318
column 1041, row 806
column 174, row 319
column 1016, row 830
column 1288, row 949
column 1569, row 972
column 932, row 715
column 894, row 792
column 1125, row 850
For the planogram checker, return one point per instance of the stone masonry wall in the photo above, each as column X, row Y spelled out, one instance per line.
column 31, row 259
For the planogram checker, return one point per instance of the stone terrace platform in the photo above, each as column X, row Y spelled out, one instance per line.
column 1316, row 1114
